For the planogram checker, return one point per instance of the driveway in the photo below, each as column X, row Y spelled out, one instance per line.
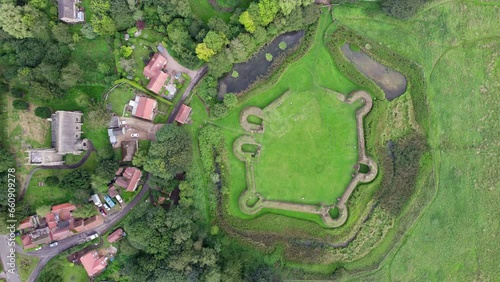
column 173, row 66
column 46, row 253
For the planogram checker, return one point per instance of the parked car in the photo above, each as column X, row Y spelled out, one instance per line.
column 119, row 199
column 107, row 207
column 53, row 244
column 92, row 237
column 103, row 213
column 134, row 135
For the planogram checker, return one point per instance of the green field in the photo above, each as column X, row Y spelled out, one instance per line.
column 308, row 148
column 456, row 44
column 306, row 79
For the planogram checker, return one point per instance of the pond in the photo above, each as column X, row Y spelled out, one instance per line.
column 392, row 82
column 257, row 66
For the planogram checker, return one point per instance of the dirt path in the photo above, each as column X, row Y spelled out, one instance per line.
column 90, row 150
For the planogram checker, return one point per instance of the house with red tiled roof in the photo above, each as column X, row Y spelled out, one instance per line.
column 116, row 235
column 66, row 206
column 154, row 72
column 144, row 107
column 36, row 237
column 129, row 179
column 183, row 116
column 51, row 220
column 93, row 263
column 82, row 225
column 28, row 222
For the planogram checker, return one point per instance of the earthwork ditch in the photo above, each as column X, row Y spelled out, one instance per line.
column 390, row 81
column 257, row 66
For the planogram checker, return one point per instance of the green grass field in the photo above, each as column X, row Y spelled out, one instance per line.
column 308, row 148
column 456, row 43
column 305, row 78
column 120, row 97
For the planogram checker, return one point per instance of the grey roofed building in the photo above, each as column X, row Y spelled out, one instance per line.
column 128, row 150
column 66, row 133
column 69, row 12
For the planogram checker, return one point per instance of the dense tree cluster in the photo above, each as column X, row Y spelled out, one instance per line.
column 401, row 9
column 169, row 155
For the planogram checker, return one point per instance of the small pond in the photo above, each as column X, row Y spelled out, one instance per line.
column 257, row 66
column 392, row 82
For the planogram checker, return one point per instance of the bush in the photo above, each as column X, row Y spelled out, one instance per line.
column 282, row 45
column 52, row 180
column 17, row 93
column 219, row 110
column 43, row 112
column 20, row 105
column 4, row 88
column 269, row 57
column 235, row 74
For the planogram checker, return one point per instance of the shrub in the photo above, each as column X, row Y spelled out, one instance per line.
column 282, row 45
column 132, row 30
column 43, row 112
column 219, row 110
column 4, row 88
column 20, row 105
column 52, row 180
column 17, row 93
column 269, row 57
column 235, row 74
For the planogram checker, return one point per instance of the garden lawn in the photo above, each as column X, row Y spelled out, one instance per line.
column 25, row 265
column 305, row 77
column 120, row 97
column 308, row 149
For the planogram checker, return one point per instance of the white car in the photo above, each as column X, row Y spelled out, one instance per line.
column 134, row 135
column 119, row 199
column 106, row 207
column 92, row 237
column 53, row 244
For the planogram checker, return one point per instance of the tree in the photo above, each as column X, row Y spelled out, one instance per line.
column 171, row 153
column 230, row 100
column 17, row 92
column 97, row 116
column 52, row 180
column 269, row 57
column 186, row 194
column 178, row 32
column 235, row 74
column 85, row 211
column 103, row 25
column 181, row 7
column 43, row 210
column 126, row 51
column 215, row 41
column 87, row 31
column 18, row 21
column 39, row 4
column 220, row 64
column 43, row 112
column 401, row 9
column 61, row 33
column 203, row 52
column 247, row 21
column 282, row 45
column 30, row 52
column 267, row 10
column 219, row 110
column 76, row 180
column 20, row 105
column 70, row 76
column 121, row 14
